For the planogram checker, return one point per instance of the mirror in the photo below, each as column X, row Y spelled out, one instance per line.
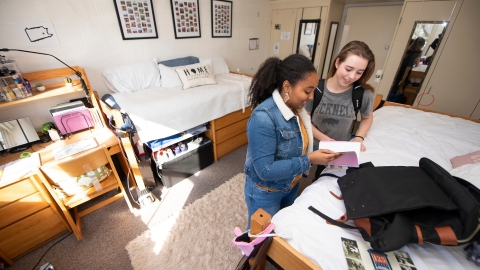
column 307, row 38
column 417, row 57
column 16, row 135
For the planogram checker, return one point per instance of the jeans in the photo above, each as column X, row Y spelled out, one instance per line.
column 271, row 202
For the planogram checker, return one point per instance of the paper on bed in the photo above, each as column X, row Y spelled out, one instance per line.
column 350, row 150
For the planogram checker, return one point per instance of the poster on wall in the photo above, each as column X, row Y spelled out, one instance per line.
column 136, row 19
column 186, row 18
column 221, row 19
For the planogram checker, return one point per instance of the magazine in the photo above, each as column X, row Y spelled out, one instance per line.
column 350, row 150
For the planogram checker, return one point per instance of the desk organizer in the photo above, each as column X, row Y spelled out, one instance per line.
column 73, row 121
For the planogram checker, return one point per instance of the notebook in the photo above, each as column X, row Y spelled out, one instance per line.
column 74, row 148
column 350, row 150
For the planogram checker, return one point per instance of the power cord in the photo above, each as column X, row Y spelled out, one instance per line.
column 49, row 249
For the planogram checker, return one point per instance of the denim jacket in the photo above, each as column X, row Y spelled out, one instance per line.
column 274, row 153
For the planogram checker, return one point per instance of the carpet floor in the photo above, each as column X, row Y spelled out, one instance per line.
column 197, row 237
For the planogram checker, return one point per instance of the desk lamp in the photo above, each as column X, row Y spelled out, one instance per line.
column 79, row 75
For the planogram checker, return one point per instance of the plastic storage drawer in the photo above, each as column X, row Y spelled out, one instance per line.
column 186, row 165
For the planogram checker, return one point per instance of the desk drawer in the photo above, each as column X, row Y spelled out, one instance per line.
column 21, row 208
column 16, row 191
column 27, row 234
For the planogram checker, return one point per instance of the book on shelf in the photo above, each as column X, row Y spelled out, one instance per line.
column 350, row 150
column 68, row 111
column 66, row 106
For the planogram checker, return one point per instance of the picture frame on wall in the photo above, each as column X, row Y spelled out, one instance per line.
column 222, row 12
column 136, row 19
column 186, row 18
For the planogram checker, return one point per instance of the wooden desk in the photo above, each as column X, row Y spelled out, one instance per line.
column 29, row 215
column 103, row 136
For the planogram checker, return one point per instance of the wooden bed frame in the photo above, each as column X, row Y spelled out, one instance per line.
column 227, row 134
column 285, row 255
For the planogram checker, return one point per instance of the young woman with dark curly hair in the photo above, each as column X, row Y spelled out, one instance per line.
column 280, row 139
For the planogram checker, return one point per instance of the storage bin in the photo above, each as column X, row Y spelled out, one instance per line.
column 185, row 165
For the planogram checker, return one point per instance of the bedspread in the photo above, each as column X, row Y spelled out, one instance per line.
column 161, row 112
column 398, row 137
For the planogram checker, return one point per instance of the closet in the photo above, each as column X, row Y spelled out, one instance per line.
column 292, row 22
column 450, row 83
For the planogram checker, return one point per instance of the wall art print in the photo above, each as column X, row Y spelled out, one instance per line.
column 136, row 19
column 186, row 18
column 221, row 19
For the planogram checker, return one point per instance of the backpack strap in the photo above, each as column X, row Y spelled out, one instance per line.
column 357, row 98
column 393, row 237
column 317, row 95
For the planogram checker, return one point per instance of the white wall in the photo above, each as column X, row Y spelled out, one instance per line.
column 89, row 36
column 374, row 25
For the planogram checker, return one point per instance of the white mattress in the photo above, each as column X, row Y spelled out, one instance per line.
column 161, row 112
column 398, row 136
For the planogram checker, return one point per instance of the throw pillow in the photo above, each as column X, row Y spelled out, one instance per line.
column 470, row 158
column 133, row 77
column 196, row 75
column 170, row 76
column 184, row 61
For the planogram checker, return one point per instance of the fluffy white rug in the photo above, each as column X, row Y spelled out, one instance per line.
column 197, row 237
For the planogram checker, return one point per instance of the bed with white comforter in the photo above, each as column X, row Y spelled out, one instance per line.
column 160, row 112
column 399, row 136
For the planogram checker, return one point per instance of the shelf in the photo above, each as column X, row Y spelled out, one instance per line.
column 52, row 90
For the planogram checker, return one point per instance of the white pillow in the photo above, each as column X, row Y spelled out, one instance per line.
column 196, row 75
column 170, row 76
column 218, row 65
column 133, row 77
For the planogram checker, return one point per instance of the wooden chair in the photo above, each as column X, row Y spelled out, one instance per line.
column 78, row 165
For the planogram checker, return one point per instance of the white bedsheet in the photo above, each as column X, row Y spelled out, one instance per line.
column 161, row 112
column 398, row 136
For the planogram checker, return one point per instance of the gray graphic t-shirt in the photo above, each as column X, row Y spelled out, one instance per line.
column 335, row 114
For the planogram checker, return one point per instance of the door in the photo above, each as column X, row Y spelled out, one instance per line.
column 412, row 12
column 453, row 85
column 282, row 32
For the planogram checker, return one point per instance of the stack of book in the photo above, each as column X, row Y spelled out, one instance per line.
column 74, row 116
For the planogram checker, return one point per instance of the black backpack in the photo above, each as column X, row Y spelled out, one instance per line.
column 392, row 206
column 357, row 96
